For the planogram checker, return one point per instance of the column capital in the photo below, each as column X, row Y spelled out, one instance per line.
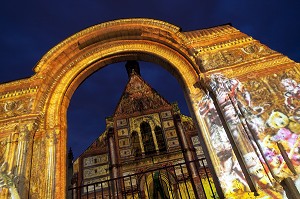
column 26, row 130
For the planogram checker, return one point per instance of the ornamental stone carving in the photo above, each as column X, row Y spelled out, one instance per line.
column 8, row 180
column 188, row 56
column 223, row 57
column 12, row 108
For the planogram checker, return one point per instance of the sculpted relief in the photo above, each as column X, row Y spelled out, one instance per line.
column 12, row 108
column 16, row 139
column 214, row 59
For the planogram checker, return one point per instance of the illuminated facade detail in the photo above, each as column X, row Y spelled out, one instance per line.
column 146, row 162
column 192, row 57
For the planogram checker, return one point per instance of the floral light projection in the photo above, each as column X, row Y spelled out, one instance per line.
column 280, row 139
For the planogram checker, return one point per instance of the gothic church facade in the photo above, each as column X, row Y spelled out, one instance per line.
column 148, row 150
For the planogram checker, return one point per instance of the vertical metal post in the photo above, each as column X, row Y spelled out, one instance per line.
column 234, row 145
column 87, row 192
column 94, row 190
column 177, row 181
column 290, row 188
column 102, row 192
column 184, row 180
column 188, row 156
column 208, row 179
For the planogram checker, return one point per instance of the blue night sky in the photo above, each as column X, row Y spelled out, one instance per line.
column 31, row 28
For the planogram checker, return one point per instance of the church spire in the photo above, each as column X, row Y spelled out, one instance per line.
column 132, row 66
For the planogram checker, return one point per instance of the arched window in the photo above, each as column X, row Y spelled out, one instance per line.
column 160, row 188
column 137, row 152
column 147, row 138
column 158, row 185
column 160, row 139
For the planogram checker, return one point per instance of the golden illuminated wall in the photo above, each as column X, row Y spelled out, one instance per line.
column 33, row 127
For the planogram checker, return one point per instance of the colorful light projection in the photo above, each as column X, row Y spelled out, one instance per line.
column 264, row 124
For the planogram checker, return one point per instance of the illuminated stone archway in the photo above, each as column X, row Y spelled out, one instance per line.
column 33, row 111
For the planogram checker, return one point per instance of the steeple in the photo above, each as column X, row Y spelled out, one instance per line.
column 138, row 96
column 132, row 66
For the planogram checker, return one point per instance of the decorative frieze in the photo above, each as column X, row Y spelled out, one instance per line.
column 17, row 93
column 222, row 56
column 95, row 160
column 16, row 107
column 95, row 171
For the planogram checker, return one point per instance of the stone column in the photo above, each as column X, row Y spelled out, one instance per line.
column 112, row 153
column 189, row 159
column 141, row 143
column 51, row 140
column 23, row 155
column 113, row 159
column 187, row 152
column 154, row 140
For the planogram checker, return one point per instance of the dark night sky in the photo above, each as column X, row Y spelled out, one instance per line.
column 31, row 28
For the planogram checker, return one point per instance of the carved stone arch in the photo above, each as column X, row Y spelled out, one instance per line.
column 65, row 66
column 64, row 87
column 40, row 103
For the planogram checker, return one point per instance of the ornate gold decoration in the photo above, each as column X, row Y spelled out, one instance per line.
column 46, row 95
column 14, row 108
column 17, row 93
column 102, row 28
column 51, row 150
column 8, row 180
column 221, row 56
column 210, row 35
column 38, row 170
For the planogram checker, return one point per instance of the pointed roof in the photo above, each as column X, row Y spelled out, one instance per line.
column 138, row 96
column 99, row 145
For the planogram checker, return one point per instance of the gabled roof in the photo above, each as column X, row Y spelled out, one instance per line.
column 97, row 145
column 139, row 96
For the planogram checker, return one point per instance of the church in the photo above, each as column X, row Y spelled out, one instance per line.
column 148, row 150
